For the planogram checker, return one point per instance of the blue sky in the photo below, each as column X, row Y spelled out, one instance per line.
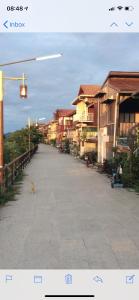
column 87, row 58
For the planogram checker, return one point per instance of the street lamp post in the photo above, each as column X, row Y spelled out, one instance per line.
column 29, row 136
column 23, row 94
column 40, row 119
column 39, row 58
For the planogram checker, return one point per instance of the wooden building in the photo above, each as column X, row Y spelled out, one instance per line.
column 118, row 110
column 85, row 119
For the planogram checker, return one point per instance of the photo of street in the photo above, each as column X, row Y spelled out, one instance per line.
column 69, row 151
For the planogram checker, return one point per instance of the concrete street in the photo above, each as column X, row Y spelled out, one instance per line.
column 73, row 220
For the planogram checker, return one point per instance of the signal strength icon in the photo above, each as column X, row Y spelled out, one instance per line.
column 112, row 9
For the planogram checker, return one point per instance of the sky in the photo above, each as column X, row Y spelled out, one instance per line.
column 87, row 59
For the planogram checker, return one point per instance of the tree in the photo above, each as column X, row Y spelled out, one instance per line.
column 17, row 143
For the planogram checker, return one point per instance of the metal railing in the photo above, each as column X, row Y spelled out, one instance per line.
column 12, row 170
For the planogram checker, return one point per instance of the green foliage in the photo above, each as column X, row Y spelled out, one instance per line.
column 127, row 175
column 66, row 145
column 92, row 156
column 130, row 166
column 36, row 136
column 109, row 166
column 74, row 149
column 83, row 136
column 112, row 164
column 53, row 142
column 17, row 143
column 131, row 171
column 9, row 194
column 136, row 186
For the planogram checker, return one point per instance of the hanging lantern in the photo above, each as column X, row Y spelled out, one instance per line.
column 23, row 91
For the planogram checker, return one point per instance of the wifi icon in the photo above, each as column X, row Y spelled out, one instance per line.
column 120, row 7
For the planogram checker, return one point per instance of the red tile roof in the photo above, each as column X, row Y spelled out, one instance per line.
column 88, row 89
column 125, row 84
column 123, row 81
column 63, row 113
column 71, row 113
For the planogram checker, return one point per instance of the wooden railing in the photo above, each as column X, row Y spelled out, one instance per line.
column 15, row 168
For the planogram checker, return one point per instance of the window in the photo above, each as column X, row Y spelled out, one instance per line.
column 110, row 113
column 132, row 118
column 127, row 117
column 122, row 118
column 68, row 122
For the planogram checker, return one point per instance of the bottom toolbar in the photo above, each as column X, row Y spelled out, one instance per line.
column 69, row 284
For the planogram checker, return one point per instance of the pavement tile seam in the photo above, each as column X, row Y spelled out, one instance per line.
column 73, row 220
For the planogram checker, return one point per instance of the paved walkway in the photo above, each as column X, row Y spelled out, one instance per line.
column 73, row 220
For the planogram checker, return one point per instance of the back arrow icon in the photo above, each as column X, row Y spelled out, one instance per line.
column 5, row 24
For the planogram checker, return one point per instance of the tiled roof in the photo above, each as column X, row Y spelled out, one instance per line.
column 88, row 89
column 71, row 113
column 125, row 84
column 63, row 112
column 122, row 74
column 123, row 81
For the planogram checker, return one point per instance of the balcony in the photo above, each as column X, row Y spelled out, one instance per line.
column 62, row 128
column 84, row 118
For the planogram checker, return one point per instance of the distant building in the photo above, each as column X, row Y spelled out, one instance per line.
column 64, row 119
column 43, row 129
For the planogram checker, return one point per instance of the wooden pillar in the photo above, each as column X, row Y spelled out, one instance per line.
column 116, row 119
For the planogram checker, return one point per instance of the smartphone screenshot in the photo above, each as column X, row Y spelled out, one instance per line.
column 69, row 149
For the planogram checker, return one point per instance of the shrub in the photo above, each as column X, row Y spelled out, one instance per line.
column 92, row 156
column 74, row 149
column 66, row 146
column 16, row 143
column 53, row 142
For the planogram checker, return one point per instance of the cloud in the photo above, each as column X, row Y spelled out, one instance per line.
column 26, row 108
column 87, row 59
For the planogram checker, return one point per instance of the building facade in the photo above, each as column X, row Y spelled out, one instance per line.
column 85, row 119
column 118, row 112
column 64, row 119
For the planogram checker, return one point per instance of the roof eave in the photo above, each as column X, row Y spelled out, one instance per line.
column 75, row 101
column 79, row 98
